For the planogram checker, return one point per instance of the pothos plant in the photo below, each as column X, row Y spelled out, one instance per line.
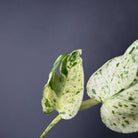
column 115, row 85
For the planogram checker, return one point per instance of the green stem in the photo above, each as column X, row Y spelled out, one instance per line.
column 50, row 126
column 85, row 105
column 88, row 104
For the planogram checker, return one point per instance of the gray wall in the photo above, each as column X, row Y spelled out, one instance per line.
column 33, row 34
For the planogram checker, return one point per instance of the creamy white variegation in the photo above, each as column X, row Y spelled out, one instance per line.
column 64, row 93
column 115, row 84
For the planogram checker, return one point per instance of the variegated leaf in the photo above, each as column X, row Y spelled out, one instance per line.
column 114, row 83
column 64, row 93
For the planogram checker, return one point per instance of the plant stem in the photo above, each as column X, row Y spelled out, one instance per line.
column 50, row 126
column 85, row 105
column 88, row 104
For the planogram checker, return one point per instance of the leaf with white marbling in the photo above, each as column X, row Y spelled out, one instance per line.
column 116, row 82
column 64, row 93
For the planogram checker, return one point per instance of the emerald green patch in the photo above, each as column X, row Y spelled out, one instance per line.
column 137, row 73
column 133, row 105
column 47, row 103
column 93, row 90
column 125, row 105
column 131, row 50
column 77, row 92
column 115, row 106
column 126, row 121
column 117, row 64
column 113, row 112
column 114, row 124
column 119, row 104
column 130, row 98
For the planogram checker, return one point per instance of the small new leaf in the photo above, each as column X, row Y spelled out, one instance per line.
column 64, row 93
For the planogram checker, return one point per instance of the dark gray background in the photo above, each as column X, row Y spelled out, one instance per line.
column 33, row 34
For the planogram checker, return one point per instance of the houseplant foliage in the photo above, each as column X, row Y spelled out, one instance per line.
column 115, row 85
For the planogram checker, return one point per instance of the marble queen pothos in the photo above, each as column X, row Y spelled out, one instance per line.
column 115, row 85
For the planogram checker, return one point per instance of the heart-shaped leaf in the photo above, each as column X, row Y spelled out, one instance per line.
column 64, row 93
column 116, row 85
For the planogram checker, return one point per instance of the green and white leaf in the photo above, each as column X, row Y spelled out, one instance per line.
column 64, row 93
column 110, row 84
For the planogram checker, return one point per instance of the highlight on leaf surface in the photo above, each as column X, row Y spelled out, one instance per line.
column 115, row 84
column 64, row 93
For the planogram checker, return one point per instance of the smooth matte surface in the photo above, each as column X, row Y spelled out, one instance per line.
column 33, row 34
